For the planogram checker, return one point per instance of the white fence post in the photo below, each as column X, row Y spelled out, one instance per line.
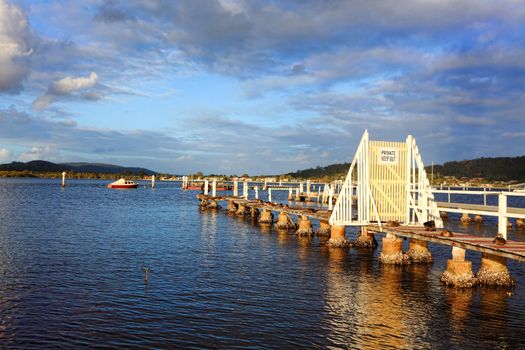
column 256, row 188
column 502, row 215
column 214, row 188
column 235, row 188
column 206, row 187
column 269, row 194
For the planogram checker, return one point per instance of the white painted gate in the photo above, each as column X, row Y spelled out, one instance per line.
column 388, row 182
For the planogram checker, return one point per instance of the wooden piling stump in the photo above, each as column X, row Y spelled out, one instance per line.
column 242, row 210
column 478, row 219
column 465, row 218
column 284, row 221
column 305, row 227
column 459, row 271
column 338, row 237
column 213, row 205
column 365, row 240
column 392, row 251
column 419, row 253
column 232, row 207
column 494, row 272
column 266, row 217
column 324, row 228
column 520, row 223
column 443, row 214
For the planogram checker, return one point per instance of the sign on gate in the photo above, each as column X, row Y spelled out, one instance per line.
column 388, row 156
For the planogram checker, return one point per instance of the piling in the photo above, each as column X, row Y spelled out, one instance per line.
column 324, row 228
column 478, row 219
column 242, row 210
column 494, row 272
column 365, row 240
column 290, row 194
column 520, row 223
column 305, row 227
column 392, row 251
column 443, row 214
column 254, row 212
column 152, row 181
column 266, row 217
column 419, row 253
column 213, row 204
column 232, row 207
column 465, row 218
column 64, row 179
column 338, row 237
column 459, row 271
column 284, row 221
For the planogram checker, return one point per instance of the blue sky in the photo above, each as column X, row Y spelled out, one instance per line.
column 258, row 87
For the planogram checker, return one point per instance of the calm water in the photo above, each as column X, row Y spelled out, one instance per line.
column 71, row 276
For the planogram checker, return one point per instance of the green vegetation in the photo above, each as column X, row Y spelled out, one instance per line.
column 484, row 169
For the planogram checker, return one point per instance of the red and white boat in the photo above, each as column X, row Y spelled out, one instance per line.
column 122, row 183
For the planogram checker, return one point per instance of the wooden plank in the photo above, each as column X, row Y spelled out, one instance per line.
column 512, row 249
column 478, row 208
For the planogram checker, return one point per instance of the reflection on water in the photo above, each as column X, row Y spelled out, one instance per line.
column 71, row 276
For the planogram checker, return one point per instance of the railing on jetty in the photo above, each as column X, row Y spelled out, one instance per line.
column 502, row 211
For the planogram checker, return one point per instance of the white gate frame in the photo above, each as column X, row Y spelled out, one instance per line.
column 420, row 203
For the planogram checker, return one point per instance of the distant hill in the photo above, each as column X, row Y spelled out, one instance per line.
column 500, row 169
column 492, row 169
column 43, row 166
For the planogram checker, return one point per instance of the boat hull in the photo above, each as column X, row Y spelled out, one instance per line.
column 123, row 186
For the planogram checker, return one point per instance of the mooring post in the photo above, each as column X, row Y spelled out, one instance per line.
column 206, row 184
column 152, row 181
column 392, row 251
column 63, row 179
column 214, row 188
column 338, row 237
column 459, row 271
column 494, row 272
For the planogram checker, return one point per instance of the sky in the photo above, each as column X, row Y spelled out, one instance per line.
column 258, row 87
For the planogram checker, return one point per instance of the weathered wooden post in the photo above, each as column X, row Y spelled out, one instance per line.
column 324, row 228
column 206, row 184
column 305, row 226
column 284, row 221
column 338, row 237
column 418, row 252
column 465, row 218
column 266, row 217
column 459, row 271
column 365, row 240
column 152, row 181
column 392, row 251
column 494, row 271
column 214, row 188
column 63, row 179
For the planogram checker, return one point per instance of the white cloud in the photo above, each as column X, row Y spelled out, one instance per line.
column 14, row 47
column 5, row 155
column 68, row 86
column 47, row 152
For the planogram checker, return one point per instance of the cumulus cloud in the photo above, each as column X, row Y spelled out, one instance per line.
column 68, row 87
column 15, row 47
column 46, row 152
column 5, row 155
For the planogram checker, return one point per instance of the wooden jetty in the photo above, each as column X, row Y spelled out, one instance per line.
column 387, row 191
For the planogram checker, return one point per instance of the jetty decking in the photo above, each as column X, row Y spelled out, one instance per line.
column 511, row 249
